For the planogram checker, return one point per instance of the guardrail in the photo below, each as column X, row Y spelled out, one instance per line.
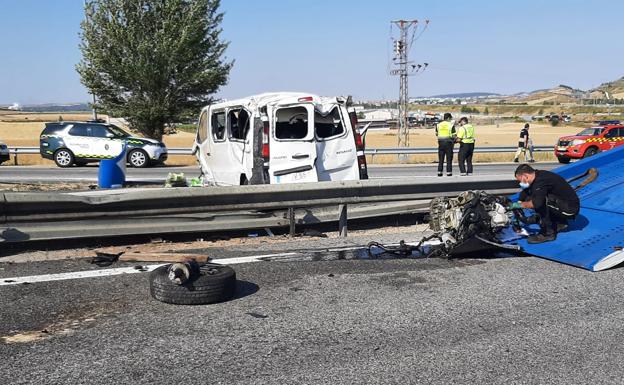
column 42, row 216
column 370, row 151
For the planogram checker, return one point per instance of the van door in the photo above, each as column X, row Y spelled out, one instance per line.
column 202, row 146
column 335, row 145
column 292, row 151
column 239, row 123
column 219, row 158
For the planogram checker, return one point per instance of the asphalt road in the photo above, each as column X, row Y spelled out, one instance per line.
column 516, row 320
column 38, row 174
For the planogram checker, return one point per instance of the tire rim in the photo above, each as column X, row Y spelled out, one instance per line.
column 63, row 158
column 137, row 158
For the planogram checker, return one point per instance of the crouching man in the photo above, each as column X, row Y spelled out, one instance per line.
column 555, row 202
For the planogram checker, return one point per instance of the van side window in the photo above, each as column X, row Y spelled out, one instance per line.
column 292, row 123
column 202, row 129
column 217, row 121
column 238, row 122
column 79, row 131
column 329, row 125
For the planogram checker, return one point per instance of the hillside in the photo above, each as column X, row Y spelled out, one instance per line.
column 614, row 89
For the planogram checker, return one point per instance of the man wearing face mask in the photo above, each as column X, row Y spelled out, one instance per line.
column 553, row 199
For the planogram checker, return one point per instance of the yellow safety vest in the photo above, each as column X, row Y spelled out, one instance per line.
column 466, row 133
column 444, row 130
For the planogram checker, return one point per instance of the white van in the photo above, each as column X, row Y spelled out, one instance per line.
column 281, row 137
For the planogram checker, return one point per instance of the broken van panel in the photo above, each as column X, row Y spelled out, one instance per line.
column 281, row 137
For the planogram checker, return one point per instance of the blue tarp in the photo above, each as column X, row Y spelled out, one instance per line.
column 595, row 238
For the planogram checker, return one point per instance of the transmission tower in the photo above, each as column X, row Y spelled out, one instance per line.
column 405, row 68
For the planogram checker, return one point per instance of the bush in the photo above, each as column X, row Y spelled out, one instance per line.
column 554, row 122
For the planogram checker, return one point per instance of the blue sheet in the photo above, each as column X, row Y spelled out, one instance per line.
column 595, row 238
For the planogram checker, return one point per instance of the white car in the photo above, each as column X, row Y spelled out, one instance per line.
column 69, row 143
column 279, row 138
column 4, row 153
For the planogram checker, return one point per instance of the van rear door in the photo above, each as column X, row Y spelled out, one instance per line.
column 201, row 147
column 292, row 151
column 335, row 145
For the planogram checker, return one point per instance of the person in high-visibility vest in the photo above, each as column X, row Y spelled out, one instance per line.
column 445, row 132
column 466, row 139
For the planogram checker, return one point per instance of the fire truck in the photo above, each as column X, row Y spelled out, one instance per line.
column 589, row 142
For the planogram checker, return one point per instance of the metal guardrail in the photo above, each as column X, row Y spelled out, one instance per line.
column 39, row 216
column 15, row 151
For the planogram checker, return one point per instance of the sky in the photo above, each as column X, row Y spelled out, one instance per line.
column 344, row 47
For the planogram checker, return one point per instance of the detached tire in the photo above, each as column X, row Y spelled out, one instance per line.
column 216, row 283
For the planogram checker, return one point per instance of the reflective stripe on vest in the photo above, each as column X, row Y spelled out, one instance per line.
column 468, row 133
column 444, row 130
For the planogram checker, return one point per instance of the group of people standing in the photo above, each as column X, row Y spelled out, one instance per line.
column 448, row 134
column 464, row 133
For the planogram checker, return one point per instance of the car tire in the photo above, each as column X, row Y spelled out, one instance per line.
column 215, row 283
column 138, row 158
column 63, row 157
column 591, row 152
column 564, row 160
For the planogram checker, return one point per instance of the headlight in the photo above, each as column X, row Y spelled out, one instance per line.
column 576, row 142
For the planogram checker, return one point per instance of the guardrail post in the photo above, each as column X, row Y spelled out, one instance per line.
column 15, row 157
column 342, row 221
column 291, row 220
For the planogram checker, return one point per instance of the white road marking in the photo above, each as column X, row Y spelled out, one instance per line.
column 123, row 270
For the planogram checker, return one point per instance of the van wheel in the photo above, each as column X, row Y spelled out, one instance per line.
column 63, row 158
column 591, row 152
column 138, row 158
column 243, row 180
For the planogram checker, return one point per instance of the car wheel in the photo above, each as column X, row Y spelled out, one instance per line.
column 564, row 160
column 138, row 158
column 63, row 158
column 591, row 152
column 214, row 283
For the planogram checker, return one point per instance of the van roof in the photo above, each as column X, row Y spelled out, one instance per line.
column 275, row 97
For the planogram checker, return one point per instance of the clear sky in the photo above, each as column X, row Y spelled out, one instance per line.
column 343, row 47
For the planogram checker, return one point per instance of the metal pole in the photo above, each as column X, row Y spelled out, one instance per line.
column 94, row 110
column 342, row 221
column 291, row 220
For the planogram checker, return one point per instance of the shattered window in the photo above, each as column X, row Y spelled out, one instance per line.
column 292, row 123
column 238, row 121
column 329, row 125
column 217, row 122
column 202, row 129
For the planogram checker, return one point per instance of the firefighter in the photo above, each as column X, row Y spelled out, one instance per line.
column 555, row 202
column 466, row 139
column 523, row 144
column 445, row 132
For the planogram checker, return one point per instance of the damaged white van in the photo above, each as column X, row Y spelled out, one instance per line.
column 281, row 137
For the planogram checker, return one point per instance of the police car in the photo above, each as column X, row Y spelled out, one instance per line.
column 589, row 142
column 79, row 143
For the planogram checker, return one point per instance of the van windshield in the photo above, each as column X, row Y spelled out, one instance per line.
column 292, row 123
column 592, row 131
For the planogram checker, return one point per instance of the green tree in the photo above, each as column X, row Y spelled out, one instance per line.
column 153, row 62
column 486, row 111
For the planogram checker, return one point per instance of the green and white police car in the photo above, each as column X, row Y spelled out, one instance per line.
column 79, row 143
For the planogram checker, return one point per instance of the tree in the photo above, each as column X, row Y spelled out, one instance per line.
column 486, row 111
column 153, row 62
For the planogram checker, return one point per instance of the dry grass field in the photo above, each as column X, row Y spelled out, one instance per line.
column 23, row 129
